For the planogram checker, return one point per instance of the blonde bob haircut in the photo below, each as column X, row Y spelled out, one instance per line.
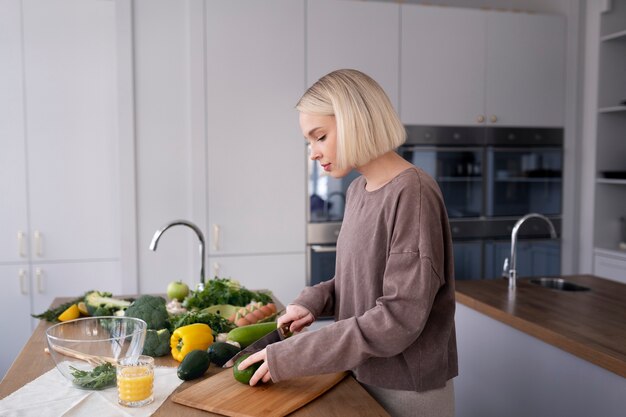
column 367, row 124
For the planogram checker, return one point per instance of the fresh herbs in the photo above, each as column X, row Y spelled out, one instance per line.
column 52, row 315
column 102, row 376
column 217, row 323
column 224, row 291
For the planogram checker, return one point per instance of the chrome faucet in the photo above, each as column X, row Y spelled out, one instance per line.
column 512, row 273
column 157, row 236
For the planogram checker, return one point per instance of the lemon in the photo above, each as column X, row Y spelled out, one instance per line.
column 82, row 308
column 71, row 313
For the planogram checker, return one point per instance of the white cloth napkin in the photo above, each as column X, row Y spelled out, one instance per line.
column 52, row 395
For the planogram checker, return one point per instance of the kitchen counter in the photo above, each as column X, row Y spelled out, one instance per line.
column 541, row 352
column 346, row 398
column 588, row 324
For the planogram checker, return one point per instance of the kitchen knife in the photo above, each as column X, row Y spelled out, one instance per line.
column 275, row 336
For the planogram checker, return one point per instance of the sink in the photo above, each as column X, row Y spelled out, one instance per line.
column 558, row 284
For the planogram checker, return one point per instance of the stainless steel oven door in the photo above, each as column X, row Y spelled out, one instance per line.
column 320, row 263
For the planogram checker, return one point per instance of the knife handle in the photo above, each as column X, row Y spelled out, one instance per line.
column 284, row 330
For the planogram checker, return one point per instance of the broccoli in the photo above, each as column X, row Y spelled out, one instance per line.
column 157, row 343
column 102, row 304
column 150, row 309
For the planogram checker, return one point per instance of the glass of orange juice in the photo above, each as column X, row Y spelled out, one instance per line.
column 135, row 380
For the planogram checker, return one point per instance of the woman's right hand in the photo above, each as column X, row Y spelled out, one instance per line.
column 299, row 317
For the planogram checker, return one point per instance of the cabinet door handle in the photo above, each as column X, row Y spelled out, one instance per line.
column 39, row 280
column 22, row 276
column 21, row 249
column 493, row 118
column 216, row 237
column 38, row 243
column 480, row 119
column 216, row 269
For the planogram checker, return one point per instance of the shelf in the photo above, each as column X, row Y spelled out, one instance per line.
column 616, row 253
column 611, row 181
column 613, row 109
column 621, row 35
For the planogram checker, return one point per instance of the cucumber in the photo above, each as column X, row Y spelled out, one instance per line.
column 246, row 335
column 194, row 365
column 221, row 352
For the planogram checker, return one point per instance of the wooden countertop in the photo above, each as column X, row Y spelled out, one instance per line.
column 588, row 324
column 346, row 398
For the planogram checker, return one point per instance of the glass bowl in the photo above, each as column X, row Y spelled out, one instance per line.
column 86, row 350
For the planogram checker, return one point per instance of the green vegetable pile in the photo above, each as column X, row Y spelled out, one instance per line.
column 217, row 323
column 102, row 376
column 223, row 291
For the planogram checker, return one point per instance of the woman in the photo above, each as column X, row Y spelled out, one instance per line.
column 393, row 291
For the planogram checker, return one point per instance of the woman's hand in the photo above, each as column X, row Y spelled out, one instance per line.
column 299, row 317
column 261, row 374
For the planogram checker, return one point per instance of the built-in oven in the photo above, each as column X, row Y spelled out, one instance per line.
column 326, row 199
column 489, row 177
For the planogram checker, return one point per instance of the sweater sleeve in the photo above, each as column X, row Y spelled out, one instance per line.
column 318, row 299
column 387, row 329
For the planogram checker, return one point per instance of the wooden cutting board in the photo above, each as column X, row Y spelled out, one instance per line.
column 222, row 394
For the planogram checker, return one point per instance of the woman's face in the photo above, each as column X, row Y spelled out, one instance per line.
column 321, row 133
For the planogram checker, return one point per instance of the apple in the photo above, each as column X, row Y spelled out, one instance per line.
column 177, row 290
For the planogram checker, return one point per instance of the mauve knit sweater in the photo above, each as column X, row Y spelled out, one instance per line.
column 392, row 295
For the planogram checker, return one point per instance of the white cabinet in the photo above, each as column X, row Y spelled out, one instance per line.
column 474, row 67
column 443, row 65
column 59, row 167
column 15, row 309
column 255, row 150
column 341, row 34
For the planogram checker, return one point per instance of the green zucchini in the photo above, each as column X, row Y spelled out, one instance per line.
column 194, row 365
column 246, row 335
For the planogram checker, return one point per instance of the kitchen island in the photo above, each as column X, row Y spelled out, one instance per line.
column 540, row 351
column 347, row 398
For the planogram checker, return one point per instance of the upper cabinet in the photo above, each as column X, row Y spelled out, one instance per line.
column 255, row 150
column 340, row 34
column 474, row 67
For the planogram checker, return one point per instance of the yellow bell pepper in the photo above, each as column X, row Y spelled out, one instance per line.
column 190, row 337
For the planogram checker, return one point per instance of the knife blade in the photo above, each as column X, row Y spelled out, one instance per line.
column 272, row 337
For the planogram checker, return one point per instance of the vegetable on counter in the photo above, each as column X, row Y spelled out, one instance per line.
column 221, row 352
column 246, row 335
column 150, row 309
column 194, row 365
column 217, row 323
column 224, row 291
column 190, row 337
column 94, row 303
column 102, row 376
column 157, row 343
column 101, row 303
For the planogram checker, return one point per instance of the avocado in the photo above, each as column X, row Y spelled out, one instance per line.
column 245, row 375
column 221, row 352
column 194, row 365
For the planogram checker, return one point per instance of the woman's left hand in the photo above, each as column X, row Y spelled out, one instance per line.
column 261, row 374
